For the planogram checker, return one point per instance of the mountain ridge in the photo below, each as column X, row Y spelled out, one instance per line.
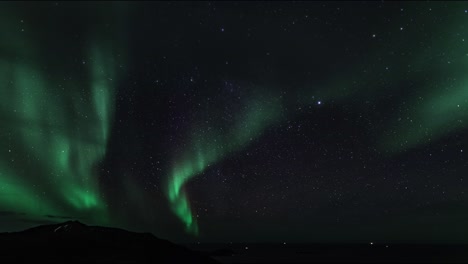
column 75, row 242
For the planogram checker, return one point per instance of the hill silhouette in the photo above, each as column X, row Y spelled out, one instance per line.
column 75, row 242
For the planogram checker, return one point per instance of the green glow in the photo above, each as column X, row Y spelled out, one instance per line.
column 428, row 85
column 14, row 194
column 437, row 108
column 210, row 147
column 55, row 126
column 444, row 112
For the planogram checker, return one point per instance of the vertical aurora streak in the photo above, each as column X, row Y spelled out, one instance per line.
column 209, row 148
column 56, row 119
column 61, row 137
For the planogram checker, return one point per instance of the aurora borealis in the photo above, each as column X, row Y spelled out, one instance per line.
column 55, row 130
column 52, row 130
column 237, row 121
column 212, row 146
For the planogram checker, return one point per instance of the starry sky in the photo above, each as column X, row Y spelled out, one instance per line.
column 237, row 122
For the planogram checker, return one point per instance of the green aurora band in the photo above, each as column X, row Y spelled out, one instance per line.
column 427, row 109
column 429, row 83
column 210, row 147
column 53, row 131
column 55, row 126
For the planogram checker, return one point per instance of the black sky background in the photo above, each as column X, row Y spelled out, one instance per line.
column 318, row 174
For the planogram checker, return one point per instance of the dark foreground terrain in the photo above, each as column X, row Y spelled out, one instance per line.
column 335, row 253
column 74, row 242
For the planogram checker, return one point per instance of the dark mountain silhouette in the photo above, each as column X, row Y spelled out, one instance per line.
column 74, row 242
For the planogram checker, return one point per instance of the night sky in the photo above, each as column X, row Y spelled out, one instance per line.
column 237, row 122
